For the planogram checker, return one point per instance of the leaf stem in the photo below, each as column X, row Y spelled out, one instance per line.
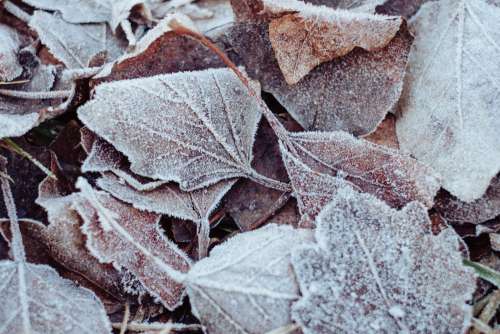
column 268, row 182
column 56, row 94
column 16, row 11
column 12, row 146
column 17, row 247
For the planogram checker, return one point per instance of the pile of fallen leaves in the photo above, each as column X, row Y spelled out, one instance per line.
column 250, row 166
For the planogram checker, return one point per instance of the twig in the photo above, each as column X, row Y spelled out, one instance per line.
column 12, row 146
column 126, row 318
column 55, row 94
column 16, row 11
column 156, row 326
column 15, row 82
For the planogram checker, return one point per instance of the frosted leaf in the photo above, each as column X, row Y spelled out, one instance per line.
column 161, row 51
column 322, row 160
column 386, row 133
column 246, row 285
column 449, row 105
column 18, row 116
column 74, row 44
column 204, row 122
column 102, row 156
column 121, row 10
column 375, row 269
column 476, row 212
column 170, row 200
column 35, row 299
column 209, row 14
column 131, row 239
column 352, row 93
column 9, row 46
column 66, row 242
column 306, row 36
column 405, row 8
column 77, row 11
column 367, row 6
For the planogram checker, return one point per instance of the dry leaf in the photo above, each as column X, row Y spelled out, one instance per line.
column 352, row 93
column 305, row 36
column 75, row 45
column 10, row 44
column 35, row 299
column 160, row 51
column 18, row 116
column 476, row 212
column 246, row 285
column 448, row 109
column 322, row 160
column 131, row 239
column 77, row 11
column 66, row 242
column 168, row 199
column 385, row 134
column 204, row 122
column 378, row 270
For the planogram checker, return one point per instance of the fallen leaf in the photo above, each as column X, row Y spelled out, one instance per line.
column 35, row 298
column 246, row 284
column 209, row 15
column 168, row 199
column 131, row 239
column 476, row 212
column 405, row 8
column 305, row 36
column 385, row 134
column 376, row 269
column 10, row 44
column 352, row 93
column 77, row 11
column 205, row 122
column 318, row 163
column 75, row 45
column 448, row 108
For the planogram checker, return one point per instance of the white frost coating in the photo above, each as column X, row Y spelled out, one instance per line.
column 450, row 104
column 134, row 241
column 168, row 199
column 195, row 128
column 74, row 44
column 312, row 35
column 35, row 299
column 367, row 6
column 77, row 11
column 9, row 45
column 375, row 269
column 318, row 157
column 246, row 285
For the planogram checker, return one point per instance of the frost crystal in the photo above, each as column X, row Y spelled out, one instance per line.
column 451, row 94
column 132, row 239
column 352, row 93
column 9, row 46
column 74, row 44
column 317, row 161
column 195, row 128
column 307, row 35
column 246, row 285
column 375, row 269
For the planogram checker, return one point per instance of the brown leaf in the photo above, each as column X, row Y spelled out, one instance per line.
column 352, row 93
column 318, row 163
column 385, row 134
column 306, row 36
column 476, row 212
column 132, row 239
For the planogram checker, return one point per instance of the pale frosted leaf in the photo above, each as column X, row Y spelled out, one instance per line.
column 132, row 239
column 352, row 93
column 122, row 9
column 246, row 285
column 476, row 212
column 204, row 122
column 77, row 11
column 170, row 200
column 18, row 116
column 160, row 51
column 66, row 242
column 375, row 269
column 35, row 299
column 102, row 156
column 319, row 159
column 306, row 36
column 10, row 44
column 452, row 89
column 74, row 44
